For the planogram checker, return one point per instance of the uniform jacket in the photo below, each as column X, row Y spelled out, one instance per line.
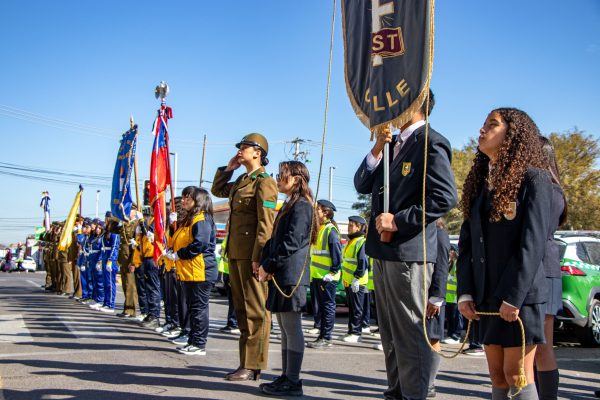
column 252, row 201
column 110, row 248
column 439, row 278
column 126, row 231
column 503, row 260
column 406, row 177
column 144, row 248
column 195, row 246
column 552, row 255
column 286, row 254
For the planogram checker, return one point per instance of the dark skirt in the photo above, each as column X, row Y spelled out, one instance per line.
column 495, row 330
column 277, row 303
column 554, row 304
column 435, row 325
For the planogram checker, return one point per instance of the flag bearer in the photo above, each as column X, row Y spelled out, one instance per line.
column 355, row 275
column 325, row 266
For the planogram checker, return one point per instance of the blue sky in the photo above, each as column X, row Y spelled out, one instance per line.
column 73, row 72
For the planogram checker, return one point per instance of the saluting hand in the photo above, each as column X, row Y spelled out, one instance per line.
column 385, row 222
column 233, row 163
column 508, row 312
column 467, row 309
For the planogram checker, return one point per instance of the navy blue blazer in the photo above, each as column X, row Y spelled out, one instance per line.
column 439, row 278
column 406, row 183
column 552, row 257
column 286, row 254
column 503, row 260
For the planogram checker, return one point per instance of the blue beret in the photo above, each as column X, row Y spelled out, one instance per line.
column 108, row 214
column 326, row 204
column 358, row 219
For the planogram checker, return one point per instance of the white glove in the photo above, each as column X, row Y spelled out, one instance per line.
column 99, row 266
column 173, row 217
column 132, row 242
column 150, row 236
column 82, row 268
column 138, row 230
column 328, row 278
column 172, row 255
column 109, row 266
column 139, row 215
column 355, row 286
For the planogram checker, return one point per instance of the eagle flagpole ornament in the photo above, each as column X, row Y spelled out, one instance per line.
column 160, row 171
column 388, row 57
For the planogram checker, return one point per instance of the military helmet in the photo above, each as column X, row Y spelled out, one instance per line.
column 255, row 139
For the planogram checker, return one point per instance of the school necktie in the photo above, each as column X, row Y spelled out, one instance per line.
column 397, row 146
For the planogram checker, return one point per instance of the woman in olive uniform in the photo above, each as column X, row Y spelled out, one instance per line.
column 252, row 201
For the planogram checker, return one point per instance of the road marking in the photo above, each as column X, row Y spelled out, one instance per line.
column 594, row 360
column 81, row 331
column 13, row 329
column 33, row 283
column 52, row 353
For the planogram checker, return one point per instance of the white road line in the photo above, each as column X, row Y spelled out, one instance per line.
column 13, row 329
column 33, row 283
column 52, row 353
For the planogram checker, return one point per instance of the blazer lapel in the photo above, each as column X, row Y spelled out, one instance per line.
column 405, row 150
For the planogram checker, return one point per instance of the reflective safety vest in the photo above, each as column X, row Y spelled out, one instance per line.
column 451, row 287
column 224, row 261
column 371, row 283
column 350, row 261
column 320, row 260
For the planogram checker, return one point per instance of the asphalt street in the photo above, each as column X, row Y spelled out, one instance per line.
column 54, row 348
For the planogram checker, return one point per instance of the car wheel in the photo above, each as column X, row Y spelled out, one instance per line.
column 590, row 334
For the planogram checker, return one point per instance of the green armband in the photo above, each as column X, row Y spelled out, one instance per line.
column 269, row 204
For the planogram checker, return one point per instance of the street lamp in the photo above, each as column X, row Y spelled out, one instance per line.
column 331, row 183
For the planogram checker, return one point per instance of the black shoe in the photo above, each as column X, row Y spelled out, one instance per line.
column 124, row 315
column 320, row 343
column 285, row 388
column 431, row 392
column 279, row 380
column 234, row 330
column 146, row 319
column 597, row 393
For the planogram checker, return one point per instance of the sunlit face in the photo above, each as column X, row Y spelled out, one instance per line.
column 321, row 215
column 247, row 154
column 285, row 184
column 187, row 203
column 98, row 230
column 353, row 227
column 492, row 134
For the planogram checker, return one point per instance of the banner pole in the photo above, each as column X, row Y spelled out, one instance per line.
column 135, row 169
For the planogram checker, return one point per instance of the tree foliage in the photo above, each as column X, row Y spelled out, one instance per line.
column 363, row 205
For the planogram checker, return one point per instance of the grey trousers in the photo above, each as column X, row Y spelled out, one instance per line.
column 399, row 297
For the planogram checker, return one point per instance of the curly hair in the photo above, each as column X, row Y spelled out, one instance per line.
column 521, row 149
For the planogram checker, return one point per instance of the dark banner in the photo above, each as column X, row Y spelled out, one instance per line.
column 388, row 53
column 121, row 201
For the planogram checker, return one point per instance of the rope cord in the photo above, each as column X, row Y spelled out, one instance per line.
column 314, row 216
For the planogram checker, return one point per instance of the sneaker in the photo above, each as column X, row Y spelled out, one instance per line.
column 320, row 343
column 313, row 331
column 450, row 340
column 378, row 346
column 181, row 340
column 366, row 330
column 350, row 338
column 141, row 317
column 477, row 352
column 285, row 388
column 192, row 350
column 167, row 326
column 151, row 323
column 173, row 333
column 431, row 393
column 233, row 330
column 95, row 306
column 106, row 309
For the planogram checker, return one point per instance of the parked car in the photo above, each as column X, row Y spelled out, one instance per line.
column 580, row 265
column 28, row 264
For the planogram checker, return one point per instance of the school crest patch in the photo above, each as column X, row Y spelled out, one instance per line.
column 406, row 166
column 512, row 211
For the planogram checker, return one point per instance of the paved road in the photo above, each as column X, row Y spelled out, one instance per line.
column 53, row 348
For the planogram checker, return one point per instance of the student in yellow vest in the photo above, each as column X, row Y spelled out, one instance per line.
column 454, row 318
column 193, row 251
column 355, row 274
column 231, row 326
column 325, row 271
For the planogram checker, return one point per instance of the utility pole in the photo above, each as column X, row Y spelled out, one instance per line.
column 97, row 202
column 331, row 183
column 299, row 155
column 203, row 157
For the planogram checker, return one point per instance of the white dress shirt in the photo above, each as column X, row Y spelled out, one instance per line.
column 373, row 162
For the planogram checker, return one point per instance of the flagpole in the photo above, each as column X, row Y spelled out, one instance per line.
column 135, row 169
